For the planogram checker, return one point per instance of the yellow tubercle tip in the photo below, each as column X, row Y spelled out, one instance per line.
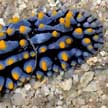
column 10, row 85
column 1, row 26
column 87, row 40
column 29, row 69
column 41, row 25
column 32, row 54
column 33, row 14
column 22, row 79
column 15, row 19
column 79, row 15
column 64, row 56
column 39, row 77
column 54, row 12
column 96, row 37
column 9, row 31
column 54, row 33
column 90, row 47
column 61, row 20
column 2, row 34
column 40, row 15
column 10, row 20
column 2, row 45
column 23, row 42
column 26, row 56
column 1, row 87
column 68, row 41
column 25, row 17
column 44, row 65
column 1, row 66
column 89, row 30
column 63, row 65
column 42, row 49
column 15, row 75
column 69, row 14
column 62, row 44
column 79, row 30
column 67, row 23
column 10, row 61
column 22, row 29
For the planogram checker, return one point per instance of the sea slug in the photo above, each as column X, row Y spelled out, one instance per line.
column 45, row 44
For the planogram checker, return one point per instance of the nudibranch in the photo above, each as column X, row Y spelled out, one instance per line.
column 45, row 44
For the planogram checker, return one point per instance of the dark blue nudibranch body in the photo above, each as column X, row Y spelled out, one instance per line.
column 47, row 43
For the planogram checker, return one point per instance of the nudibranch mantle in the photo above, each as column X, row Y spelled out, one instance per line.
column 46, row 43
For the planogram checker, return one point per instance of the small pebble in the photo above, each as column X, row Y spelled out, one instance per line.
column 59, row 103
column 103, row 53
column 84, row 106
column 91, row 61
column 93, row 86
column 18, row 99
column 34, row 107
column 36, row 84
column 52, row 3
column 75, row 78
column 66, row 85
column 85, row 67
column 59, row 107
column 69, row 73
column 106, row 84
column 22, row 6
column 46, row 90
column 2, row 21
column 5, row 104
column 104, row 97
column 103, row 106
column 27, row 87
column 86, row 78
